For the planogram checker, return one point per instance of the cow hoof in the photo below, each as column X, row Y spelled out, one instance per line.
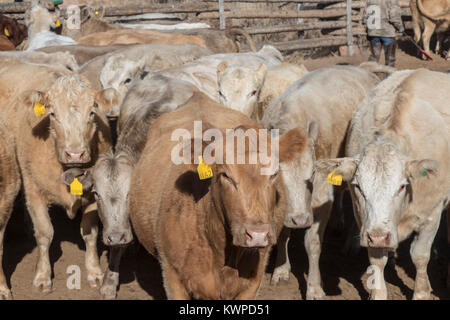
column 95, row 279
column 280, row 273
column 5, row 294
column 421, row 296
column 43, row 284
column 108, row 292
column 315, row 293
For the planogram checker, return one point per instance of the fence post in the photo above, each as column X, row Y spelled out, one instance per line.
column 221, row 15
column 349, row 28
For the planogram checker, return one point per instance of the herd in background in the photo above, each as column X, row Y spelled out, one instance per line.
column 213, row 237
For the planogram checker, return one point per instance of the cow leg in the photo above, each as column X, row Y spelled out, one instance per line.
column 43, row 231
column 426, row 35
column 5, row 293
column 111, row 278
column 283, row 266
column 313, row 245
column 378, row 258
column 89, row 232
column 175, row 289
column 420, row 254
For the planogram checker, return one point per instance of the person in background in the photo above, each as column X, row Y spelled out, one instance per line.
column 382, row 19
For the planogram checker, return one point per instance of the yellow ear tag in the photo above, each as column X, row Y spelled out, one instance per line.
column 6, row 31
column 39, row 109
column 96, row 12
column 204, row 171
column 76, row 188
column 57, row 23
column 334, row 179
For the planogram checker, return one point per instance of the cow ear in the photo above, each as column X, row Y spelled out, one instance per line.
column 108, row 102
column 83, row 176
column 343, row 166
column 261, row 73
column 421, row 168
column 221, row 69
column 37, row 107
column 291, row 145
column 313, row 131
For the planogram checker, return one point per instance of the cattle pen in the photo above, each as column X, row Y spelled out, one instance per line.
column 288, row 25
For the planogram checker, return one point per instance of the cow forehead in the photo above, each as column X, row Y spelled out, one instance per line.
column 69, row 92
column 381, row 168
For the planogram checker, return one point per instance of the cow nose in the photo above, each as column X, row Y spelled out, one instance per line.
column 115, row 238
column 378, row 239
column 257, row 236
column 74, row 157
column 301, row 221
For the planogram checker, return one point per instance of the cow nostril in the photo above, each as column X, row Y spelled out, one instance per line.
column 248, row 235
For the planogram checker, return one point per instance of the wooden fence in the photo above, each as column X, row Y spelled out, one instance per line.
column 339, row 22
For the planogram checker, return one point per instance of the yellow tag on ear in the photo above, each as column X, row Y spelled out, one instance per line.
column 334, row 179
column 76, row 188
column 204, row 171
column 57, row 23
column 39, row 109
column 96, row 12
column 6, row 31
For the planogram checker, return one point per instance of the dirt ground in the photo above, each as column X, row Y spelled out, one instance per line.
column 140, row 276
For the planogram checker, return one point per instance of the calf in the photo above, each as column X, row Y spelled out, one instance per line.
column 9, row 188
column 63, row 59
column 397, row 169
column 56, row 126
column 321, row 105
column 211, row 236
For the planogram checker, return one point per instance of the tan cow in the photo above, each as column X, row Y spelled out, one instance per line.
column 70, row 131
column 321, row 105
column 429, row 16
column 277, row 80
column 125, row 36
column 9, row 188
column 398, row 170
column 212, row 236
column 63, row 59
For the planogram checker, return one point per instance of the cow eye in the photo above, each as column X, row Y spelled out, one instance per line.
column 253, row 93
column 127, row 80
column 401, row 189
column 91, row 115
column 274, row 176
column 221, row 94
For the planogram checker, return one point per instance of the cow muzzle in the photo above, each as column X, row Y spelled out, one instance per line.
column 254, row 236
column 297, row 221
column 76, row 157
column 378, row 238
column 117, row 238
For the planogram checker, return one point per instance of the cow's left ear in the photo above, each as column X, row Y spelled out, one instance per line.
column 37, row 107
column 421, row 168
column 343, row 166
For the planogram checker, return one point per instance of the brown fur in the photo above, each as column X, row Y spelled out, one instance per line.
column 17, row 31
column 39, row 164
column 184, row 218
column 5, row 44
column 122, row 36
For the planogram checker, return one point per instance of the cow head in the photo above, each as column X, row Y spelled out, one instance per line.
column 298, row 175
column 71, row 118
column 39, row 19
column 248, row 202
column 239, row 87
column 381, row 181
column 111, row 176
column 14, row 31
column 116, row 78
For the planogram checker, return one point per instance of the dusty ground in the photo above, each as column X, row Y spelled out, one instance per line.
column 343, row 275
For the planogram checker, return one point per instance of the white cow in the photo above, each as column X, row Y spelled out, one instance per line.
column 398, row 169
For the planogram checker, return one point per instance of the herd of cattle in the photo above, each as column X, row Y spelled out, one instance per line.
column 389, row 141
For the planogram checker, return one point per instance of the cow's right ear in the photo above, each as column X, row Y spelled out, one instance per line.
column 108, row 102
column 343, row 166
column 37, row 107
